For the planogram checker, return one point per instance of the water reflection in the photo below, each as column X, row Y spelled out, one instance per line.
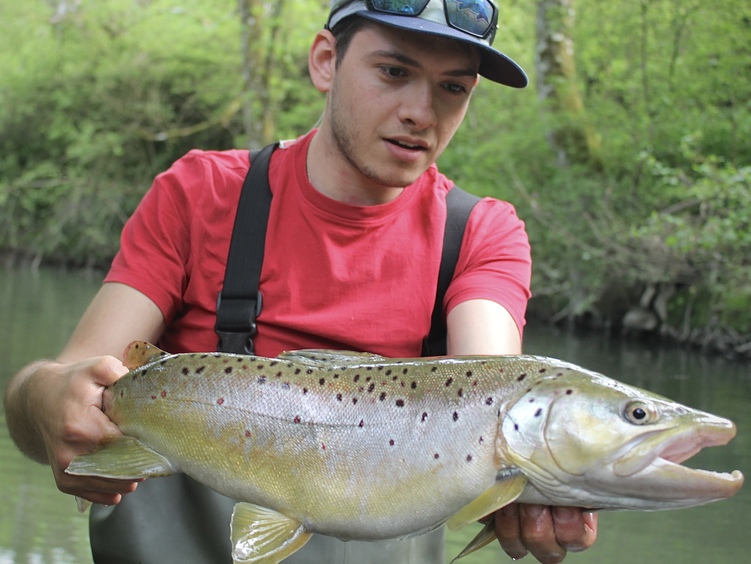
column 39, row 524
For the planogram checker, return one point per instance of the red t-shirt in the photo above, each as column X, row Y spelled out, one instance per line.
column 334, row 275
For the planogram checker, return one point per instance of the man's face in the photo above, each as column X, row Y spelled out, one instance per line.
column 396, row 100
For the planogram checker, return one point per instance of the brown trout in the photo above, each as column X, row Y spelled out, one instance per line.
column 358, row 446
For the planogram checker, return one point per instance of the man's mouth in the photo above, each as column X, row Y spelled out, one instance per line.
column 404, row 144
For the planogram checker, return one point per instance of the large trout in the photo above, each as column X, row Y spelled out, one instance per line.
column 359, row 446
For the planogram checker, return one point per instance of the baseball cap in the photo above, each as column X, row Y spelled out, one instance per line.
column 470, row 21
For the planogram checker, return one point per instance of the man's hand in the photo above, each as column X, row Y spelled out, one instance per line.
column 55, row 413
column 547, row 532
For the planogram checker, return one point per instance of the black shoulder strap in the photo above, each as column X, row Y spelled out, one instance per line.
column 459, row 205
column 239, row 302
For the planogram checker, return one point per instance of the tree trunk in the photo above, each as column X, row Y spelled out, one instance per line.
column 573, row 139
column 261, row 24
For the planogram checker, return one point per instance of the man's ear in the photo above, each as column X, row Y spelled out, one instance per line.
column 322, row 60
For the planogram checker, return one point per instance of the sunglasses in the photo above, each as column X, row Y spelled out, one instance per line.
column 478, row 18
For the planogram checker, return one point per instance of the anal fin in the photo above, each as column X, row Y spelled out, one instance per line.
column 264, row 536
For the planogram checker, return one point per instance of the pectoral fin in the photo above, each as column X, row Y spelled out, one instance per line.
column 504, row 491
column 125, row 458
column 264, row 536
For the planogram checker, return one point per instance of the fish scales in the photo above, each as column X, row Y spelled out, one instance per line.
column 295, row 423
column 358, row 446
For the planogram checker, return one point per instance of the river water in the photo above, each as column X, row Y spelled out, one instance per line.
column 39, row 525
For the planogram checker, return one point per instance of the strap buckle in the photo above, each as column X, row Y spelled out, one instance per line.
column 236, row 323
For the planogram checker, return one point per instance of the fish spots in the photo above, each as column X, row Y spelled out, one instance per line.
column 356, row 378
column 455, row 416
column 542, row 370
column 338, row 397
column 469, row 458
column 371, row 387
column 200, row 369
column 569, row 392
column 400, row 403
column 489, row 401
column 436, row 456
column 449, row 382
column 297, row 371
column 323, row 446
column 538, row 412
column 382, row 396
column 521, row 377
column 354, row 401
column 433, row 368
column 516, row 426
column 164, row 393
column 460, row 393
column 122, row 393
column 361, row 424
column 185, row 370
column 261, row 379
column 220, row 401
column 469, row 374
column 424, row 416
column 260, row 367
column 248, row 434
column 228, row 370
column 296, row 419
column 322, row 381
column 305, row 391
column 413, row 385
column 391, row 442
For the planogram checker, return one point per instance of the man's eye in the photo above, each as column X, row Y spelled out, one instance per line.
column 393, row 72
column 455, row 88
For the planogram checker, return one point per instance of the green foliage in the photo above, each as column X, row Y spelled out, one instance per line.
column 98, row 97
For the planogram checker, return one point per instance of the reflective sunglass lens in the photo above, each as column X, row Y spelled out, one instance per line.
column 472, row 16
column 405, row 7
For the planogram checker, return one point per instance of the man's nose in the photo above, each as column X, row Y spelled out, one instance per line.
column 418, row 107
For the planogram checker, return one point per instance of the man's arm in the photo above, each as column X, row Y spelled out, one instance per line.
column 53, row 407
column 485, row 327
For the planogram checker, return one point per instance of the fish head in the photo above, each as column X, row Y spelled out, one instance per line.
column 587, row 440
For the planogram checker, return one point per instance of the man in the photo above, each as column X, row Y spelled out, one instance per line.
column 352, row 253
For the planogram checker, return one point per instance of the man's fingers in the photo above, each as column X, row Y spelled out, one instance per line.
column 507, row 531
column 575, row 530
column 538, row 533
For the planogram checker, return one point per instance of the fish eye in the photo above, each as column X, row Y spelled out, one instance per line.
column 640, row 412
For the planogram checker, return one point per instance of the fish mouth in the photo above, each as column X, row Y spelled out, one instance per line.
column 654, row 462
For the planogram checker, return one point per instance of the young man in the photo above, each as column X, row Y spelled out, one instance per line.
column 352, row 253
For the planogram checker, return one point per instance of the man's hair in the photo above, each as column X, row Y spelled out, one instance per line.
column 343, row 33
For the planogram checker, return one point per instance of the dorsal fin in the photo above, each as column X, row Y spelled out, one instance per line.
column 139, row 353
column 327, row 357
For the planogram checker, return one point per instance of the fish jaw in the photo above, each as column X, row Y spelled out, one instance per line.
column 654, row 465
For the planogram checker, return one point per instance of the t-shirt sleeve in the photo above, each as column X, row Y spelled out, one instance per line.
column 155, row 242
column 495, row 261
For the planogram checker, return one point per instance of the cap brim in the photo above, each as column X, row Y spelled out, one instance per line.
column 494, row 65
